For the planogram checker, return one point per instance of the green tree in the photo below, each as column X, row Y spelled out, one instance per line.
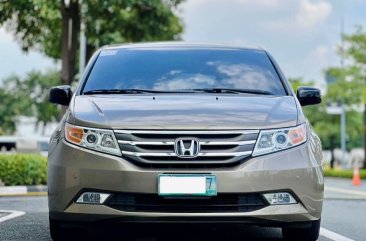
column 356, row 52
column 351, row 78
column 10, row 108
column 297, row 82
column 30, row 96
column 53, row 27
column 328, row 126
column 349, row 90
column 310, row 111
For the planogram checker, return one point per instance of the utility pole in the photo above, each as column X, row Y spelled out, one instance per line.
column 340, row 109
column 342, row 105
column 343, row 132
column 82, row 52
column 342, row 43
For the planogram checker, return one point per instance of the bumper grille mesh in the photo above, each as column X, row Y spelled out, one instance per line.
column 153, row 203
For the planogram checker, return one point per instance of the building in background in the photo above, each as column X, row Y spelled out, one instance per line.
column 29, row 137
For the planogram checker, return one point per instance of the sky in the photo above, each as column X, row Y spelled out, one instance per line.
column 302, row 35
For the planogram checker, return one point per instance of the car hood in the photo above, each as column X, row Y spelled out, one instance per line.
column 188, row 111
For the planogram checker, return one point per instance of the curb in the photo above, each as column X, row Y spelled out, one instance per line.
column 33, row 190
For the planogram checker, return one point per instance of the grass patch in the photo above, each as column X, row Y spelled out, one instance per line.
column 328, row 172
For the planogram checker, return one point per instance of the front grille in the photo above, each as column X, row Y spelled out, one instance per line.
column 156, row 148
column 129, row 202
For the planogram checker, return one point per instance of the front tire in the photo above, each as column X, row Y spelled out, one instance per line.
column 302, row 234
column 66, row 230
column 57, row 233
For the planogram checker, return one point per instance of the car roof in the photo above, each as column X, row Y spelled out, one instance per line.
column 179, row 45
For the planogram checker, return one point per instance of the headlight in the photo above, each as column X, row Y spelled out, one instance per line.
column 91, row 138
column 279, row 139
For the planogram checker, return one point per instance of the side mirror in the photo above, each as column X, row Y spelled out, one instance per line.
column 60, row 95
column 308, row 96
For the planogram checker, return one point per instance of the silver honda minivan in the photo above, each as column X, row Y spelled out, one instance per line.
column 185, row 133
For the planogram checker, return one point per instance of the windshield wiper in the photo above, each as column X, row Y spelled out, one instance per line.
column 207, row 90
column 111, row 91
column 234, row 91
column 131, row 91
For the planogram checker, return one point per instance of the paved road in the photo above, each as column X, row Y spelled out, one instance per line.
column 343, row 214
column 345, row 208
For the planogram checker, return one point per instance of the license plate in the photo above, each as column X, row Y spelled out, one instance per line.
column 187, row 185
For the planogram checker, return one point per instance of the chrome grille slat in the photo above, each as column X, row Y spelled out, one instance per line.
column 218, row 154
column 187, row 132
column 134, row 143
column 239, row 143
column 155, row 148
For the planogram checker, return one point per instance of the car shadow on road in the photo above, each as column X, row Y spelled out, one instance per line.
column 182, row 232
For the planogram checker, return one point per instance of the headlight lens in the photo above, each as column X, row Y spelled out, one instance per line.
column 91, row 138
column 279, row 139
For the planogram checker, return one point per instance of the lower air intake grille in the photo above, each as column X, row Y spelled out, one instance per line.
column 154, row 203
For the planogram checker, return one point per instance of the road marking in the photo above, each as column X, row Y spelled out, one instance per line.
column 13, row 214
column 333, row 236
column 347, row 191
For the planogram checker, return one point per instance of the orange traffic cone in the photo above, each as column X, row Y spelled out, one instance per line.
column 356, row 180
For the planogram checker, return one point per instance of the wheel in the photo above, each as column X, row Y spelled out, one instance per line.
column 65, row 231
column 57, row 234
column 302, row 234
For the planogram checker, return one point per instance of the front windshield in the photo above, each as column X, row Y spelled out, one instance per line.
column 184, row 69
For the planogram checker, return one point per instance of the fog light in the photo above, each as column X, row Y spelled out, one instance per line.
column 280, row 198
column 93, row 198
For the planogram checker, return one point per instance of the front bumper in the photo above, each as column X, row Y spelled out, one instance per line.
column 72, row 169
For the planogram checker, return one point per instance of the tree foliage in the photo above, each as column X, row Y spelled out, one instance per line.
column 10, row 108
column 130, row 21
column 28, row 96
column 44, row 25
column 35, row 24
column 352, row 76
column 52, row 27
column 328, row 126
